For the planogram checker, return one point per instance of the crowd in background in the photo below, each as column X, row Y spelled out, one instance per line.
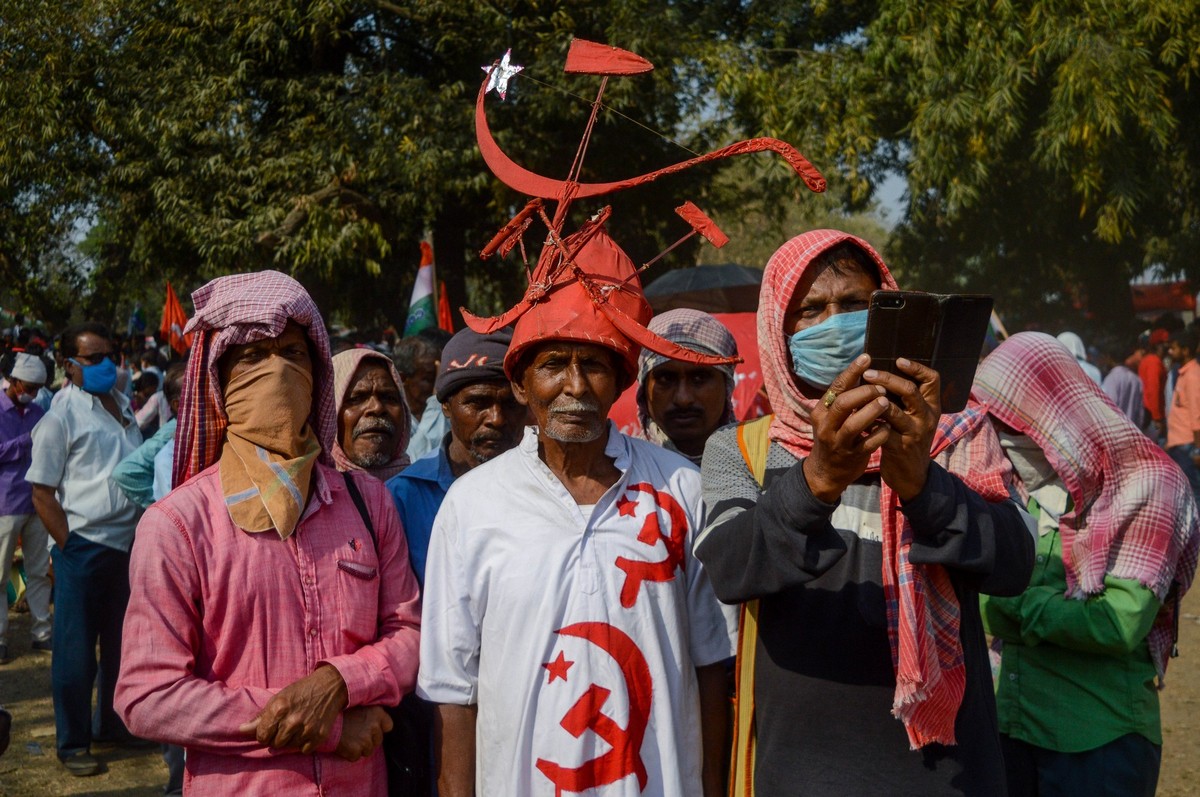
column 861, row 547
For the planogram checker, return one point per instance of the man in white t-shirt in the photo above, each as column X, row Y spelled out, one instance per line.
column 570, row 638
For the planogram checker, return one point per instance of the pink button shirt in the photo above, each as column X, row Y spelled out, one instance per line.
column 1184, row 419
column 220, row 620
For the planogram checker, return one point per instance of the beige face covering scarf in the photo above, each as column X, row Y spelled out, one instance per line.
column 270, row 449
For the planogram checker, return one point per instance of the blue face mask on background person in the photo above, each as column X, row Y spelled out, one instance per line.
column 824, row 350
column 98, row 378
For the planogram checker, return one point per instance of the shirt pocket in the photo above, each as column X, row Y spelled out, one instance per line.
column 358, row 600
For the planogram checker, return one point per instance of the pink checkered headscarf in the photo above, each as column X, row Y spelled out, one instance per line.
column 1133, row 514
column 230, row 311
column 923, row 613
column 791, row 427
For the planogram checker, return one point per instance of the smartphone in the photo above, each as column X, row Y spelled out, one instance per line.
column 944, row 331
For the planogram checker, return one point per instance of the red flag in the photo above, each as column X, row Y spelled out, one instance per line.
column 589, row 58
column 702, row 224
column 173, row 322
column 445, row 320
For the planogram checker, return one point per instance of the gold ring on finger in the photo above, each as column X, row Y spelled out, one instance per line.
column 829, row 397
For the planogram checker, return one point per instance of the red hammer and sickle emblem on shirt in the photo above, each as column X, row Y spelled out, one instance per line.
column 625, row 756
column 637, row 570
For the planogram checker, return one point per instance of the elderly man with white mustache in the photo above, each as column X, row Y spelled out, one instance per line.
column 574, row 643
column 373, row 425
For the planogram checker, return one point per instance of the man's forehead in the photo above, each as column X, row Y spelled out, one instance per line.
column 292, row 333
column 90, row 342
column 681, row 368
column 828, row 281
column 485, row 388
column 571, row 348
column 373, row 374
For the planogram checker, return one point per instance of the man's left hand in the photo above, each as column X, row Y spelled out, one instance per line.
column 363, row 728
column 302, row 714
column 905, row 462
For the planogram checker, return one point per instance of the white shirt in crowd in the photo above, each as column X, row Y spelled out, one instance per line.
column 577, row 635
column 76, row 447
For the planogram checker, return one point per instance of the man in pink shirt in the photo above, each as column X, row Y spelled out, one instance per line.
column 1183, row 421
column 273, row 612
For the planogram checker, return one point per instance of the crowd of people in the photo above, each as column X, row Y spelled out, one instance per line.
column 311, row 566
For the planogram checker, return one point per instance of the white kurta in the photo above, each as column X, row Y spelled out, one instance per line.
column 577, row 636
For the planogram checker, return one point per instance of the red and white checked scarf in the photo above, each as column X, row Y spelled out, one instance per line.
column 922, row 610
column 792, row 428
column 230, row 311
column 1133, row 513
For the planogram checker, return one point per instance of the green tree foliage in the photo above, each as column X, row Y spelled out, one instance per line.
column 758, row 221
column 319, row 137
column 1047, row 145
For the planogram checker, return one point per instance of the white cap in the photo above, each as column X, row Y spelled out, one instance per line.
column 29, row 369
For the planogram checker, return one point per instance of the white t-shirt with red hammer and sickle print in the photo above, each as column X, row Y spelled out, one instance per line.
column 577, row 636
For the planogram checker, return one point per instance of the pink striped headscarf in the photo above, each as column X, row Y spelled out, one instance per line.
column 1133, row 513
column 230, row 311
column 923, row 612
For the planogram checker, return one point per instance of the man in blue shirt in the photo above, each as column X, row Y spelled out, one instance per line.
column 145, row 475
column 485, row 421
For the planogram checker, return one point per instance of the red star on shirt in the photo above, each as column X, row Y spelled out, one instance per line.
column 626, row 508
column 557, row 668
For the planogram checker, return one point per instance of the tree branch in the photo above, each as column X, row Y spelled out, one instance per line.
column 299, row 214
column 399, row 11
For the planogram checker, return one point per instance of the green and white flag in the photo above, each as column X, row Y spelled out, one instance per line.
column 422, row 312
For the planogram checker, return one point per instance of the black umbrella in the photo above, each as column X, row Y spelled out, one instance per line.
column 728, row 288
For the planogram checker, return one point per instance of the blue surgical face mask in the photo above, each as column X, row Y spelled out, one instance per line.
column 98, row 378
column 824, row 350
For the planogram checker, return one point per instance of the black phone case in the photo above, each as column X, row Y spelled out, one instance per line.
column 944, row 331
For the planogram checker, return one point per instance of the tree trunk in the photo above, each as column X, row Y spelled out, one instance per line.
column 450, row 255
column 1106, row 281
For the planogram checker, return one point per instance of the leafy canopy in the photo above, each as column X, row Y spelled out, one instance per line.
column 1046, row 144
column 319, row 137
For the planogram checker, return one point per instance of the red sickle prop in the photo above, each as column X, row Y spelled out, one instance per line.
column 521, row 179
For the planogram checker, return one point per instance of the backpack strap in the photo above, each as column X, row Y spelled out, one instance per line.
column 754, row 442
column 356, row 496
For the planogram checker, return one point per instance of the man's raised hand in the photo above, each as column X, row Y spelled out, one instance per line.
column 846, row 432
column 905, row 462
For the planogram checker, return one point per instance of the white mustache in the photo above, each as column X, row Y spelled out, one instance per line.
column 368, row 425
column 565, row 406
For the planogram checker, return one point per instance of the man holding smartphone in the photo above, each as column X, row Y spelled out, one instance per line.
column 861, row 531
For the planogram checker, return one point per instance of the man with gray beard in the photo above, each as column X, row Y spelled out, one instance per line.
column 573, row 642
column 485, row 421
column 373, row 424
